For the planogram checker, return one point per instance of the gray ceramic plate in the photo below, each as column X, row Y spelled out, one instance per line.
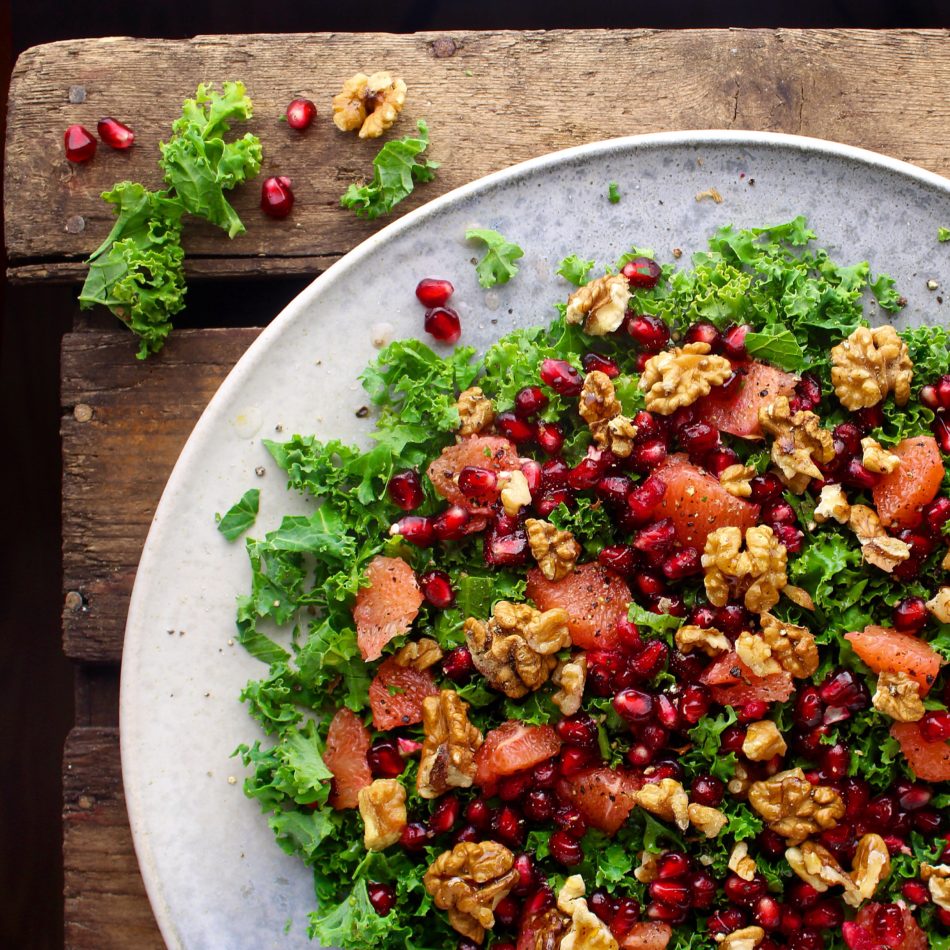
column 214, row 875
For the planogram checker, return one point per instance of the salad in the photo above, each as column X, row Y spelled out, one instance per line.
column 630, row 632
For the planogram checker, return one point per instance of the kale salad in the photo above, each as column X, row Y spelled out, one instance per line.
column 630, row 632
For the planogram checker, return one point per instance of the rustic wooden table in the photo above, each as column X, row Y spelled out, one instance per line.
column 124, row 422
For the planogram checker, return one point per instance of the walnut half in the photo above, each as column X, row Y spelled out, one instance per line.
column 868, row 365
column 793, row 647
column 383, row 810
column 757, row 573
column 600, row 305
column 799, row 442
column 763, row 741
column 793, row 807
column 877, row 546
column 448, row 750
column 680, row 376
column 475, row 411
column 587, row 930
column 817, row 866
column 600, row 409
column 555, row 550
column 368, row 103
column 898, row 696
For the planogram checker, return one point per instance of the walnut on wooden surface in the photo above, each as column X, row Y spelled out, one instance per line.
column 752, row 649
column 746, row 938
column 832, row 504
column 868, row 365
column 600, row 305
column 419, row 654
column 569, row 676
column 667, row 799
column 793, row 807
column 793, row 647
column 600, row 409
column 448, row 750
column 937, row 877
column 680, row 376
column 368, row 103
column 587, row 931
column 939, row 604
column 515, row 650
column 710, row 821
column 469, row 882
column 898, row 696
column 554, row 549
column 871, row 865
column 798, row 442
column 707, row 640
column 741, row 862
column 475, row 411
column 757, row 573
column 514, row 491
column 763, row 741
column 877, row 546
column 736, row 480
column 382, row 806
column 875, row 458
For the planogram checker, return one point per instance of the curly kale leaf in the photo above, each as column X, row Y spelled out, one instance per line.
column 498, row 265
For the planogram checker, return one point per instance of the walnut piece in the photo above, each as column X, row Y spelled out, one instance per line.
column 448, row 750
column 680, row 376
column 939, row 605
column 555, row 550
column 600, row 305
column 549, row 929
column 763, row 741
column 469, row 882
column 756, row 654
column 877, row 547
column 740, row 783
column 871, row 865
column 368, row 103
column 419, row 654
column 515, row 493
column 383, row 810
column 832, row 503
column 649, row 868
column 798, row 443
column 945, row 563
column 710, row 821
column 735, row 479
column 868, row 365
column 937, row 877
column 600, row 409
column 898, row 696
column 748, row 938
column 708, row 640
column 793, row 647
column 758, row 573
column 800, row 596
column 817, row 866
column 875, row 458
column 515, row 650
column 475, row 411
column 741, row 862
column 570, row 676
column 588, row 931
column 793, row 807
column 666, row 799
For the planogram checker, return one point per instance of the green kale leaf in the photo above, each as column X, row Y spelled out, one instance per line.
column 613, row 193
column 240, row 516
column 943, row 235
column 574, row 269
column 498, row 265
column 777, row 345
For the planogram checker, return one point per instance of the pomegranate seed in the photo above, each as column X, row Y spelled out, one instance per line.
column 643, row 273
column 703, row 332
column 565, row 849
column 594, row 362
column 655, row 540
column 415, row 529
column 935, row 726
column 547, row 502
column 824, row 915
column 115, row 134
column 385, row 760
column 725, row 921
column 545, row 774
column 732, row 620
column 880, row 813
column 836, row 761
column 539, row 804
column 694, row 703
column 650, row 585
column 624, row 917
column 540, row 900
column 857, row 937
column 478, row 484
column 650, row 333
column 436, row 587
column 602, row 668
column 650, row 660
column 670, row 915
column 843, row 689
column 569, row 819
column 889, row 924
column 457, row 664
column 683, row 563
column 808, row 708
column 561, row 377
column 613, row 488
column 752, row 711
column 703, row 616
column 856, row 475
column 645, row 498
column 687, row 669
column 707, row 790
column 640, row 754
column 773, row 844
column 300, row 114
column 733, row 342
column 602, row 905
column 618, row 557
column 808, row 390
column 575, row 759
column 698, row 439
column 443, row 323
column 941, row 431
column 444, row 815
column 720, row 459
column 506, row 549
column 732, row 738
column 648, row 426
column 512, row 787
column 665, row 768
column 740, row 891
column 550, row 437
column 673, row 893
column 870, row 418
column 510, row 426
column 767, row 913
column 507, row 912
column 929, row 397
column 629, row 636
column 381, row 896
column 466, row 944
column 434, row 291
column 451, row 524
column 910, row 615
column 527, row 878
column 405, row 490
column 856, row 796
column 588, row 470
column 414, row 837
column 579, row 729
column 702, row 889
column 408, row 747
column 666, row 713
column 529, row 401
column 916, row 892
column 779, row 512
column 79, row 144
column 928, row 821
column 277, row 196
column 791, row 918
column 648, row 455
column 913, row 796
column 849, row 435
column 765, row 488
column 478, row 813
column 936, row 515
column 508, row 827
column 532, row 474
column 671, row 865
column 943, row 917
column 633, row 705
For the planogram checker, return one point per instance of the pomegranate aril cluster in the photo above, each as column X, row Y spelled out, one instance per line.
column 441, row 322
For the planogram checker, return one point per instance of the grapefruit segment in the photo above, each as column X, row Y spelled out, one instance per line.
column 929, row 760
column 345, row 756
column 732, row 683
column 511, row 747
column 647, row 935
column 886, row 651
column 603, row 796
column 898, row 497
column 396, row 694
column 482, row 451
column 737, row 411
column 387, row 607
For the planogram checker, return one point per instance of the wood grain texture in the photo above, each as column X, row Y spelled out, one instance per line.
column 123, row 425
column 106, row 904
column 533, row 91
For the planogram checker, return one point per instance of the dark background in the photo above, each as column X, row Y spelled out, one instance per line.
column 36, row 688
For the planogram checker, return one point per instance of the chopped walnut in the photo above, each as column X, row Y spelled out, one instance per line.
column 939, row 605
column 758, row 573
column 600, row 409
column 680, row 376
column 710, row 821
column 555, row 550
column 817, row 866
column 756, row 654
column 877, row 547
column 868, row 365
column 793, row 647
column 763, row 741
column 368, row 103
column 419, row 654
column 799, row 442
column 469, row 882
column 648, row 869
column 800, row 596
column 871, row 865
column 514, row 650
column 617, row 436
column 708, row 640
column 588, row 931
column 878, row 459
column 748, row 938
column 515, row 493
column 383, row 810
column 549, row 929
column 735, row 479
column 937, row 877
column 898, row 696
column 570, row 676
column 832, row 503
column 793, row 807
column 475, row 411
column 600, row 305
column 666, row 799
column 740, row 783
column 741, row 862
column 448, row 750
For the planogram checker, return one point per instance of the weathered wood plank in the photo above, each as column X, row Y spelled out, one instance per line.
column 106, row 904
column 123, row 426
column 535, row 91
